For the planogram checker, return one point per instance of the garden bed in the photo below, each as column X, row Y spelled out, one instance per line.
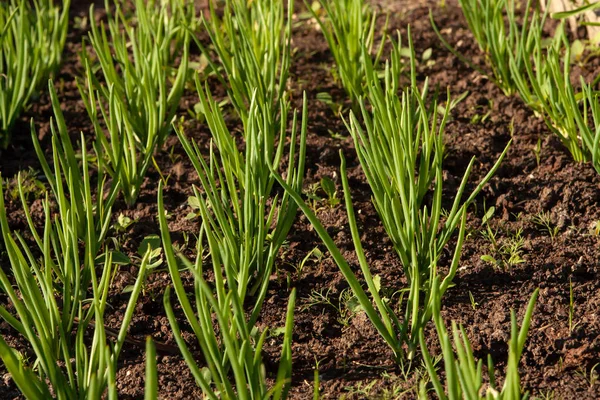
column 546, row 221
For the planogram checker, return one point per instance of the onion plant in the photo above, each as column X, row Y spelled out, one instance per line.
column 379, row 309
column 252, row 41
column 523, row 62
column 539, row 71
column 78, row 184
column 547, row 89
column 74, row 267
column 32, row 37
column 82, row 215
column 238, row 199
column 65, row 364
column 463, row 375
column 401, row 152
column 590, row 136
column 142, row 88
column 180, row 23
column 232, row 350
column 348, row 28
column 505, row 43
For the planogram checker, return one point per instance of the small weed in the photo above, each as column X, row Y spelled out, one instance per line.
column 595, row 228
column 312, row 196
column 123, row 223
column 163, row 178
column 326, row 99
column 361, row 389
column 393, row 389
column 194, row 204
column 513, row 248
column 544, row 221
column 152, row 248
column 506, row 252
column 480, row 115
column 119, row 228
column 181, row 247
column 474, row 304
column 546, row 395
column 315, row 255
column 314, row 193
column 537, row 151
column 336, row 135
column 32, row 188
column 328, row 187
column 346, row 306
column 590, row 377
column 571, row 308
column 561, row 364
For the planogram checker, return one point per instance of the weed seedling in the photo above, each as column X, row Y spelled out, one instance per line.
column 123, row 223
column 595, row 228
column 481, row 115
column 537, row 151
column 590, row 377
column 544, row 221
column 346, row 305
column 315, row 255
column 474, row 304
column 328, row 187
column 31, row 187
column 326, row 99
column 513, row 248
column 571, row 308
column 312, row 195
column 505, row 252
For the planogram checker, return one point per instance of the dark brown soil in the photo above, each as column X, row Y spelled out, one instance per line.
column 353, row 361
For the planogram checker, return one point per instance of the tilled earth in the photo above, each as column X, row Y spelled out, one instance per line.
column 546, row 209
